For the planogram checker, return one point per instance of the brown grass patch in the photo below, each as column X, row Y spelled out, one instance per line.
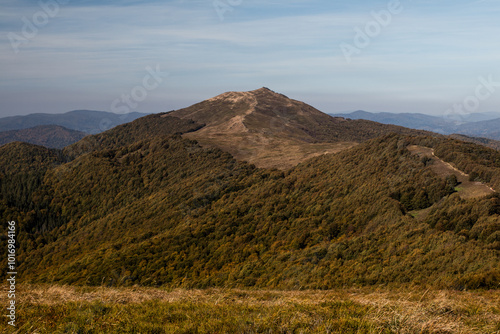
column 267, row 150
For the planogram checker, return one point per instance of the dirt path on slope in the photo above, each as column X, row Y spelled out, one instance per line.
column 466, row 189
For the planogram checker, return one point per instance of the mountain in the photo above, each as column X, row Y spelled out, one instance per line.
column 474, row 117
column 410, row 120
column 145, row 204
column 88, row 121
column 484, row 125
column 489, row 129
column 52, row 136
column 269, row 129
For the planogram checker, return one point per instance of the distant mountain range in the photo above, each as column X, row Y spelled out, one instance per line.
column 88, row 121
column 53, row 136
column 60, row 130
column 476, row 125
column 262, row 126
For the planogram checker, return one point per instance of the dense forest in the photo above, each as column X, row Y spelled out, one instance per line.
column 164, row 211
column 146, row 127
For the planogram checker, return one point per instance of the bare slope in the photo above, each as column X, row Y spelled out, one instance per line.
column 271, row 130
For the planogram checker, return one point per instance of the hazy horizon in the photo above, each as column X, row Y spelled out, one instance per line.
column 333, row 113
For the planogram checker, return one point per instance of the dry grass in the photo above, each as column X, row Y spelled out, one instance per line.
column 268, row 151
column 253, row 311
column 436, row 311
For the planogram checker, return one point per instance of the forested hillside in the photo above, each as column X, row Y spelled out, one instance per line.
column 22, row 169
column 165, row 211
column 146, row 127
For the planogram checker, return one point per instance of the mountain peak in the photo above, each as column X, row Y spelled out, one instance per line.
column 259, row 126
column 265, row 90
column 258, row 111
column 271, row 130
column 262, row 90
column 235, row 96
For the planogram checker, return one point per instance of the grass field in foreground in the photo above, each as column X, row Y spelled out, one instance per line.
column 64, row 309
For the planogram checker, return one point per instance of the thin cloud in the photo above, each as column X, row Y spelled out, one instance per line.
column 429, row 49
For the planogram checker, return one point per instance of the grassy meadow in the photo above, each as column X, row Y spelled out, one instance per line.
column 68, row 309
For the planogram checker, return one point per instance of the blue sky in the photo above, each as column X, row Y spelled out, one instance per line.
column 426, row 56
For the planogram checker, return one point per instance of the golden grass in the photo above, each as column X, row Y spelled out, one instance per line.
column 68, row 309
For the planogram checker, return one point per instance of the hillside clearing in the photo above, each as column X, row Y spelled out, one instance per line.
column 466, row 189
column 267, row 151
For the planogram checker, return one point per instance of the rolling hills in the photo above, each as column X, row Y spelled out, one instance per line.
column 488, row 129
column 144, row 203
column 88, row 121
column 51, row 136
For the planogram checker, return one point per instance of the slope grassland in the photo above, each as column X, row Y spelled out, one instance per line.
column 63, row 309
column 268, row 151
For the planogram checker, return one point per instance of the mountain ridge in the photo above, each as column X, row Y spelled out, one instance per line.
column 166, row 211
